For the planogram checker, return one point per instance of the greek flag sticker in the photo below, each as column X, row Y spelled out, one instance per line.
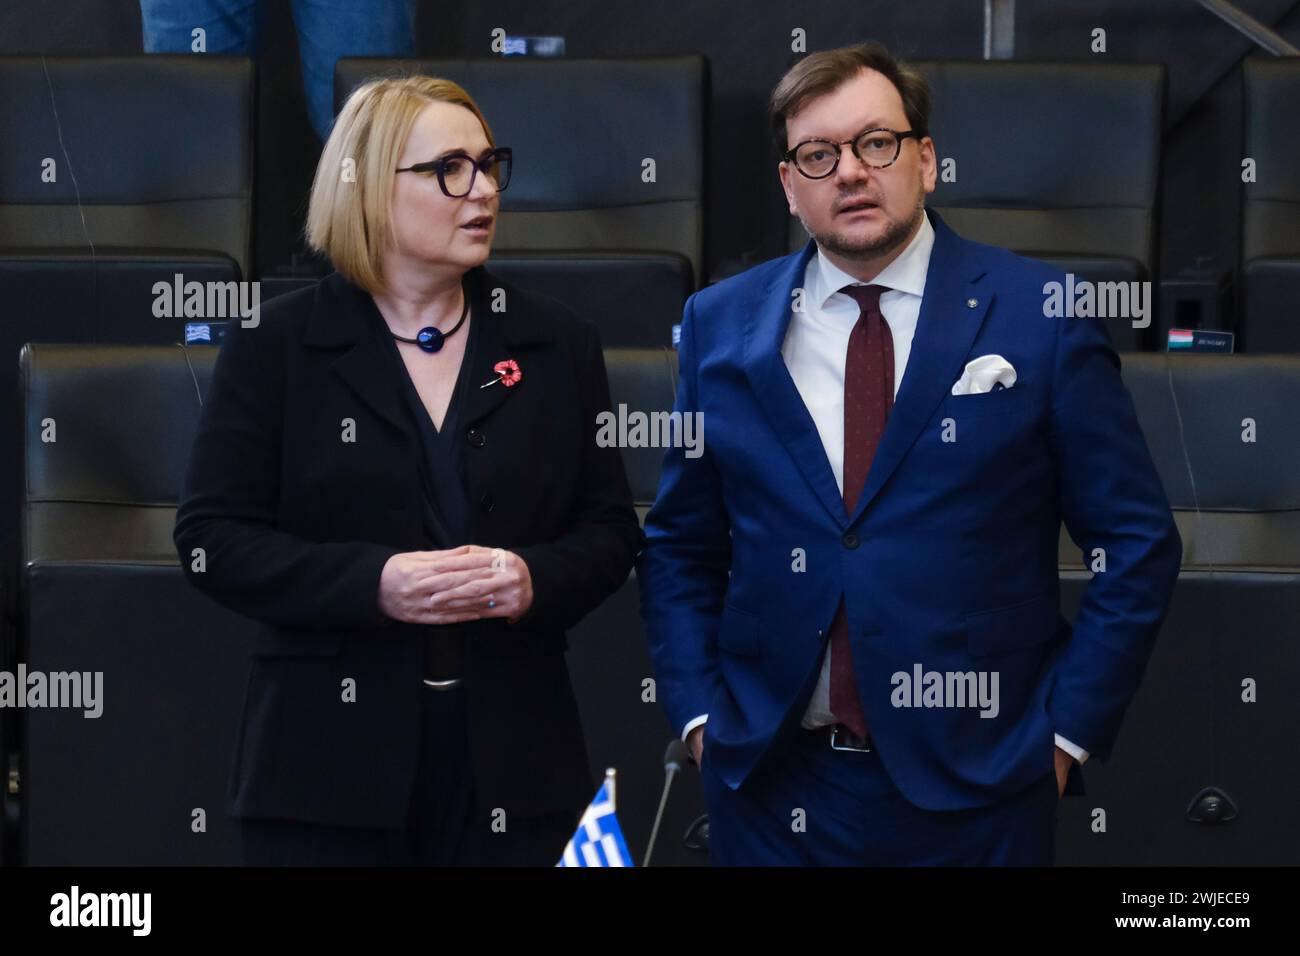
column 599, row 839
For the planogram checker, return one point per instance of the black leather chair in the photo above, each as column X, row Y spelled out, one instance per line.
column 1233, row 619
column 578, row 220
column 1270, row 208
column 634, row 301
column 131, row 143
column 643, row 380
column 108, row 431
column 1057, row 161
column 110, row 184
column 609, row 659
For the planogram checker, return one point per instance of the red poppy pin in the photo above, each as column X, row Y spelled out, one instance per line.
column 508, row 372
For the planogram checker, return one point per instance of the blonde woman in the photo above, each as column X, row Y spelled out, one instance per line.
column 396, row 472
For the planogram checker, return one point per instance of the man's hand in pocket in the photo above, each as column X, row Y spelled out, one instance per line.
column 695, row 743
column 1063, row 762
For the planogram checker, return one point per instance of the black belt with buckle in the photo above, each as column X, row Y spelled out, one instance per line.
column 842, row 738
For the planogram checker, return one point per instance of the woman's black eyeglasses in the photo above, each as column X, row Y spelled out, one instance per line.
column 457, row 171
column 878, row 148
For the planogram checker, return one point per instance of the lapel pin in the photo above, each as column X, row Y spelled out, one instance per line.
column 508, row 374
column 971, row 303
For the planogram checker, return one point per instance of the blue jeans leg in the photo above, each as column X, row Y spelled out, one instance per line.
column 230, row 26
column 331, row 29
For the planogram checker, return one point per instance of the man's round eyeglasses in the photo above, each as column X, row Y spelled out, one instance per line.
column 878, row 148
column 457, row 171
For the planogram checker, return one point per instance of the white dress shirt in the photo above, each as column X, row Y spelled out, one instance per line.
column 815, row 349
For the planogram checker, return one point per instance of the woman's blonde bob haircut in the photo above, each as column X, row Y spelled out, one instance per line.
column 349, row 218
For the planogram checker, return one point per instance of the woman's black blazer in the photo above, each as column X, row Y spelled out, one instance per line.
column 295, row 525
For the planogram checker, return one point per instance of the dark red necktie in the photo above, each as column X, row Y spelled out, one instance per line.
column 868, row 397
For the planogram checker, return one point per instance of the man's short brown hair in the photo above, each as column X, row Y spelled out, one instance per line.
column 824, row 72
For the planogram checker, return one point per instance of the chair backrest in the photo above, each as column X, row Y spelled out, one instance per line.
column 608, row 154
column 1271, row 204
column 1222, row 433
column 635, row 302
column 1270, row 208
column 643, row 382
column 142, row 152
column 1051, row 159
column 107, row 437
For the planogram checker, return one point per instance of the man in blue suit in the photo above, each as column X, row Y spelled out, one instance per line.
column 851, row 596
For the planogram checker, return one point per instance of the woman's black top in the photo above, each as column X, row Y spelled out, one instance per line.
column 447, row 507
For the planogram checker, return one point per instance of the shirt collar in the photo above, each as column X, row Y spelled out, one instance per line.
column 905, row 274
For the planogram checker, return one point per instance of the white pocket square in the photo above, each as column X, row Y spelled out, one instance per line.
column 981, row 374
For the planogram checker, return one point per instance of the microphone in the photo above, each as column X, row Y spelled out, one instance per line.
column 675, row 759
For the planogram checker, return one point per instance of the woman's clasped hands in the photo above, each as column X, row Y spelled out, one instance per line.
column 468, row 583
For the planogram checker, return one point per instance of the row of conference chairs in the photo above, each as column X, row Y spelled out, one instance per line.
column 99, row 200
column 1060, row 161
column 1194, row 779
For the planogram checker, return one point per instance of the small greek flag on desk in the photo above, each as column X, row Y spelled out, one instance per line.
column 599, row 839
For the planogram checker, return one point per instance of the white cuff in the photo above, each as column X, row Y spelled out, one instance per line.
column 692, row 725
column 1073, row 749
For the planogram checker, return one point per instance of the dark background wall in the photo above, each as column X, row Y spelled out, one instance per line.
column 748, row 45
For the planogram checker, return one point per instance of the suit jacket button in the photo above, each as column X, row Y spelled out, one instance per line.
column 850, row 540
column 476, row 438
column 486, row 502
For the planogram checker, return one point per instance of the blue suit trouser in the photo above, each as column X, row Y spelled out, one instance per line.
column 816, row 806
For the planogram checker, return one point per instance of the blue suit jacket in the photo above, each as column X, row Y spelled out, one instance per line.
column 949, row 560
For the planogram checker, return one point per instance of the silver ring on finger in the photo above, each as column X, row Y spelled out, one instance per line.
column 491, row 601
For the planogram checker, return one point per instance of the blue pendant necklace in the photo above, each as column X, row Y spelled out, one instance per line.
column 431, row 339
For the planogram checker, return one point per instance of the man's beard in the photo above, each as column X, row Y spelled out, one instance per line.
column 894, row 236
